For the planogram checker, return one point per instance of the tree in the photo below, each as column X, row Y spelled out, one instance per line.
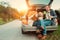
column 7, row 12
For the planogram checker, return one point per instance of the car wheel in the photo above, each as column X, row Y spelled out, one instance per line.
column 22, row 31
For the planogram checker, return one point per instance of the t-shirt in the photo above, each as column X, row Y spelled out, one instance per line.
column 47, row 14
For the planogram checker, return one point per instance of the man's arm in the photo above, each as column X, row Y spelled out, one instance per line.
column 53, row 14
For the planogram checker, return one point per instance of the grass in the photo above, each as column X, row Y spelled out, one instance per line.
column 55, row 35
column 1, row 21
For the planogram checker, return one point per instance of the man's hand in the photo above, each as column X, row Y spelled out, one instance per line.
column 50, row 16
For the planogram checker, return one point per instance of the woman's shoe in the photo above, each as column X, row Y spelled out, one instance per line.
column 44, row 37
column 37, row 31
column 39, row 36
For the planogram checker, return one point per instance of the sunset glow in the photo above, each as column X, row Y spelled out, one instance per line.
column 23, row 7
column 21, row 4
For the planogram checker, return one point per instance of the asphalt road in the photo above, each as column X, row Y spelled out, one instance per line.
column 12, row 31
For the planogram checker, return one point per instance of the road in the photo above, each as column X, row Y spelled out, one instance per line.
column 12, row 31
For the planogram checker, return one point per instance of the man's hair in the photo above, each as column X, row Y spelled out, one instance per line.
column 48, row 6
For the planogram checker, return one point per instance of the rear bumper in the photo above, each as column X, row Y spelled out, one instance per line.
column 29, row 28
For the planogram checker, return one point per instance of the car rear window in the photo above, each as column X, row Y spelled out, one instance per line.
column 45, row 2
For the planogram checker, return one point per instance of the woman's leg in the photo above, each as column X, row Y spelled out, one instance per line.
column 44, row 31
column 42, row 26
column 39, row 29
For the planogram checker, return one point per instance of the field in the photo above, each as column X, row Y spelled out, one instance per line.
column 3, row 22
column 55, row 35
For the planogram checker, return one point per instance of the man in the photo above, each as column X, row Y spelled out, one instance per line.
column 50, row 18
column 51, row 15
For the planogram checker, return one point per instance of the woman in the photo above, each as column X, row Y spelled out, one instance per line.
column 41, row 28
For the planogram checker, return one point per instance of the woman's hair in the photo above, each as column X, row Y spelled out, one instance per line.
column 40, row 14
column 40, row 10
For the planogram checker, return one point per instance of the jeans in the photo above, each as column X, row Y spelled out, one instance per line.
column 45, row 23
column 42, row 23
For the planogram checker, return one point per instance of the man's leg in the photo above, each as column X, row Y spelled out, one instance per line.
column 47, row 22
column 55, row 22
column 44, row 32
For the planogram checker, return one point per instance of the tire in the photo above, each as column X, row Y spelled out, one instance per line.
column 22, row 31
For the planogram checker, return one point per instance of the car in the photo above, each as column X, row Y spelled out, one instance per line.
column 58, row 16
column 35, row 5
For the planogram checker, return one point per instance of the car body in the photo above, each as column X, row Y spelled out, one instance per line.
column 29, row 28
column 58, row 16
column 33, row 7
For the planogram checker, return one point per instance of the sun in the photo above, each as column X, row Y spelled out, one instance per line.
column 24, row 7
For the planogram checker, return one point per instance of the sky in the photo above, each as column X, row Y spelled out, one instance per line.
column 21, row 4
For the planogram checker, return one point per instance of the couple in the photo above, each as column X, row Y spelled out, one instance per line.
column 41, row 23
